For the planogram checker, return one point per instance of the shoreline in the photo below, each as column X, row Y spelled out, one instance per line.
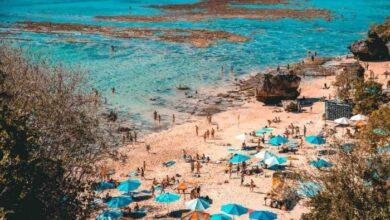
column 168, row 145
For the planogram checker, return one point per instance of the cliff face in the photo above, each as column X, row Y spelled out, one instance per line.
column 376, row 46
column 271, row 89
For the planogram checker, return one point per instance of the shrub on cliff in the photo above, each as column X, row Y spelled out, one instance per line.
column 51, row 137
column 367, row 97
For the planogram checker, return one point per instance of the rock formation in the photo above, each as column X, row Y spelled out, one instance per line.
column 376, row 46
column 271, row 89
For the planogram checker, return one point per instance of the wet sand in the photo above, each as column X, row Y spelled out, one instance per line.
column 167, row 145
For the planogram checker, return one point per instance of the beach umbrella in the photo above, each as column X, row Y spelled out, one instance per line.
column 342, row 121
column 275, row 161
column 239, row 158
column 347, row 147
column 196, row 215
column 234, row 209
column 104, row 185
column 262, row 215
column 264, row 154
column 314, row 139
column 129, row 185
column 167, row 197
column 198, row 204
column 320, row 163
column 292, row 144
column 241, row 137
column 110, row 215
column 262, row 131
column 358, row 117
column 380, row 131
column 220, row 216
column 309, row 189
column 360, row 123
column 277, row 140
column 182, row 186
column 119, row 201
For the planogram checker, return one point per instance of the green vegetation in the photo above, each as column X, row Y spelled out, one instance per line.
column 367, row 96
column 51, row 137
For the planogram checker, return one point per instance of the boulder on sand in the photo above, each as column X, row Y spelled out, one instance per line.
column 271, row 89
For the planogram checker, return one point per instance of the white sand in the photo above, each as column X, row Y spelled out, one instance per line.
column 168, row 145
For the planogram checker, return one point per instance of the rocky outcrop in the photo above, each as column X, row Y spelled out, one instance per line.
column 271, row 89
column 375, row 47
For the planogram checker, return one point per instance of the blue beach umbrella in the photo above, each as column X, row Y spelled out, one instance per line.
column 380, row 131
column 119, row 201
column 277, row 140
column 220, row 216
column 309, row 189
column 104, row 185
column 129, row 185
column 239, row 158
column 320, row 163
column 262, row 131
column 109, row 215
column 167, row 197
column 314, row 139
column 234, row 209
column 197, row 204
column 262, row 215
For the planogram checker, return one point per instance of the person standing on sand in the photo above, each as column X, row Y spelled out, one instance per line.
column 230, row 170
column 238, row 120
column 212, row 133
column 144, row 165
column 252, row 185
column 204, row 137
column 148, row 148
column 242, row 178
column 135, row 136
column 142, row 172
column 173, row 118
column 198, row 167
column 192, row 166
column 304, row 130
column 196, row 130
column 207, row 134
column 152, row 190
column 155, row 115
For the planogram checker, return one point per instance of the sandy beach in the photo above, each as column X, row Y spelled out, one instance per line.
column 168, row 145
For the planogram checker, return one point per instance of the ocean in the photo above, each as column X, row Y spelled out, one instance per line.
column 146, row 72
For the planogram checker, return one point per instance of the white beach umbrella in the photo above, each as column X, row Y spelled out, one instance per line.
column 241, row 137
column 263, row 155
column 342, row 121
column 358, row 117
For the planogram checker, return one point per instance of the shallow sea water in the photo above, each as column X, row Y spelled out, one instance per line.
column 144, row 69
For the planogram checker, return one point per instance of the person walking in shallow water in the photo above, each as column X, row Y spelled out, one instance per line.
column 159, row 119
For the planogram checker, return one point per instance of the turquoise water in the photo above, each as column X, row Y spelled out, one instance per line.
column 144, row 69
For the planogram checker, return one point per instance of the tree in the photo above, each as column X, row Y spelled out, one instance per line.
column 367, row 96
column 356, row 187
column 51, row 139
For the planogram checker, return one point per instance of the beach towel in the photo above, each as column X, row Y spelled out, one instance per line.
column 169, row 163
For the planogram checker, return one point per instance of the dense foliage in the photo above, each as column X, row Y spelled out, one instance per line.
column 356, row 187
column 51, row 138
